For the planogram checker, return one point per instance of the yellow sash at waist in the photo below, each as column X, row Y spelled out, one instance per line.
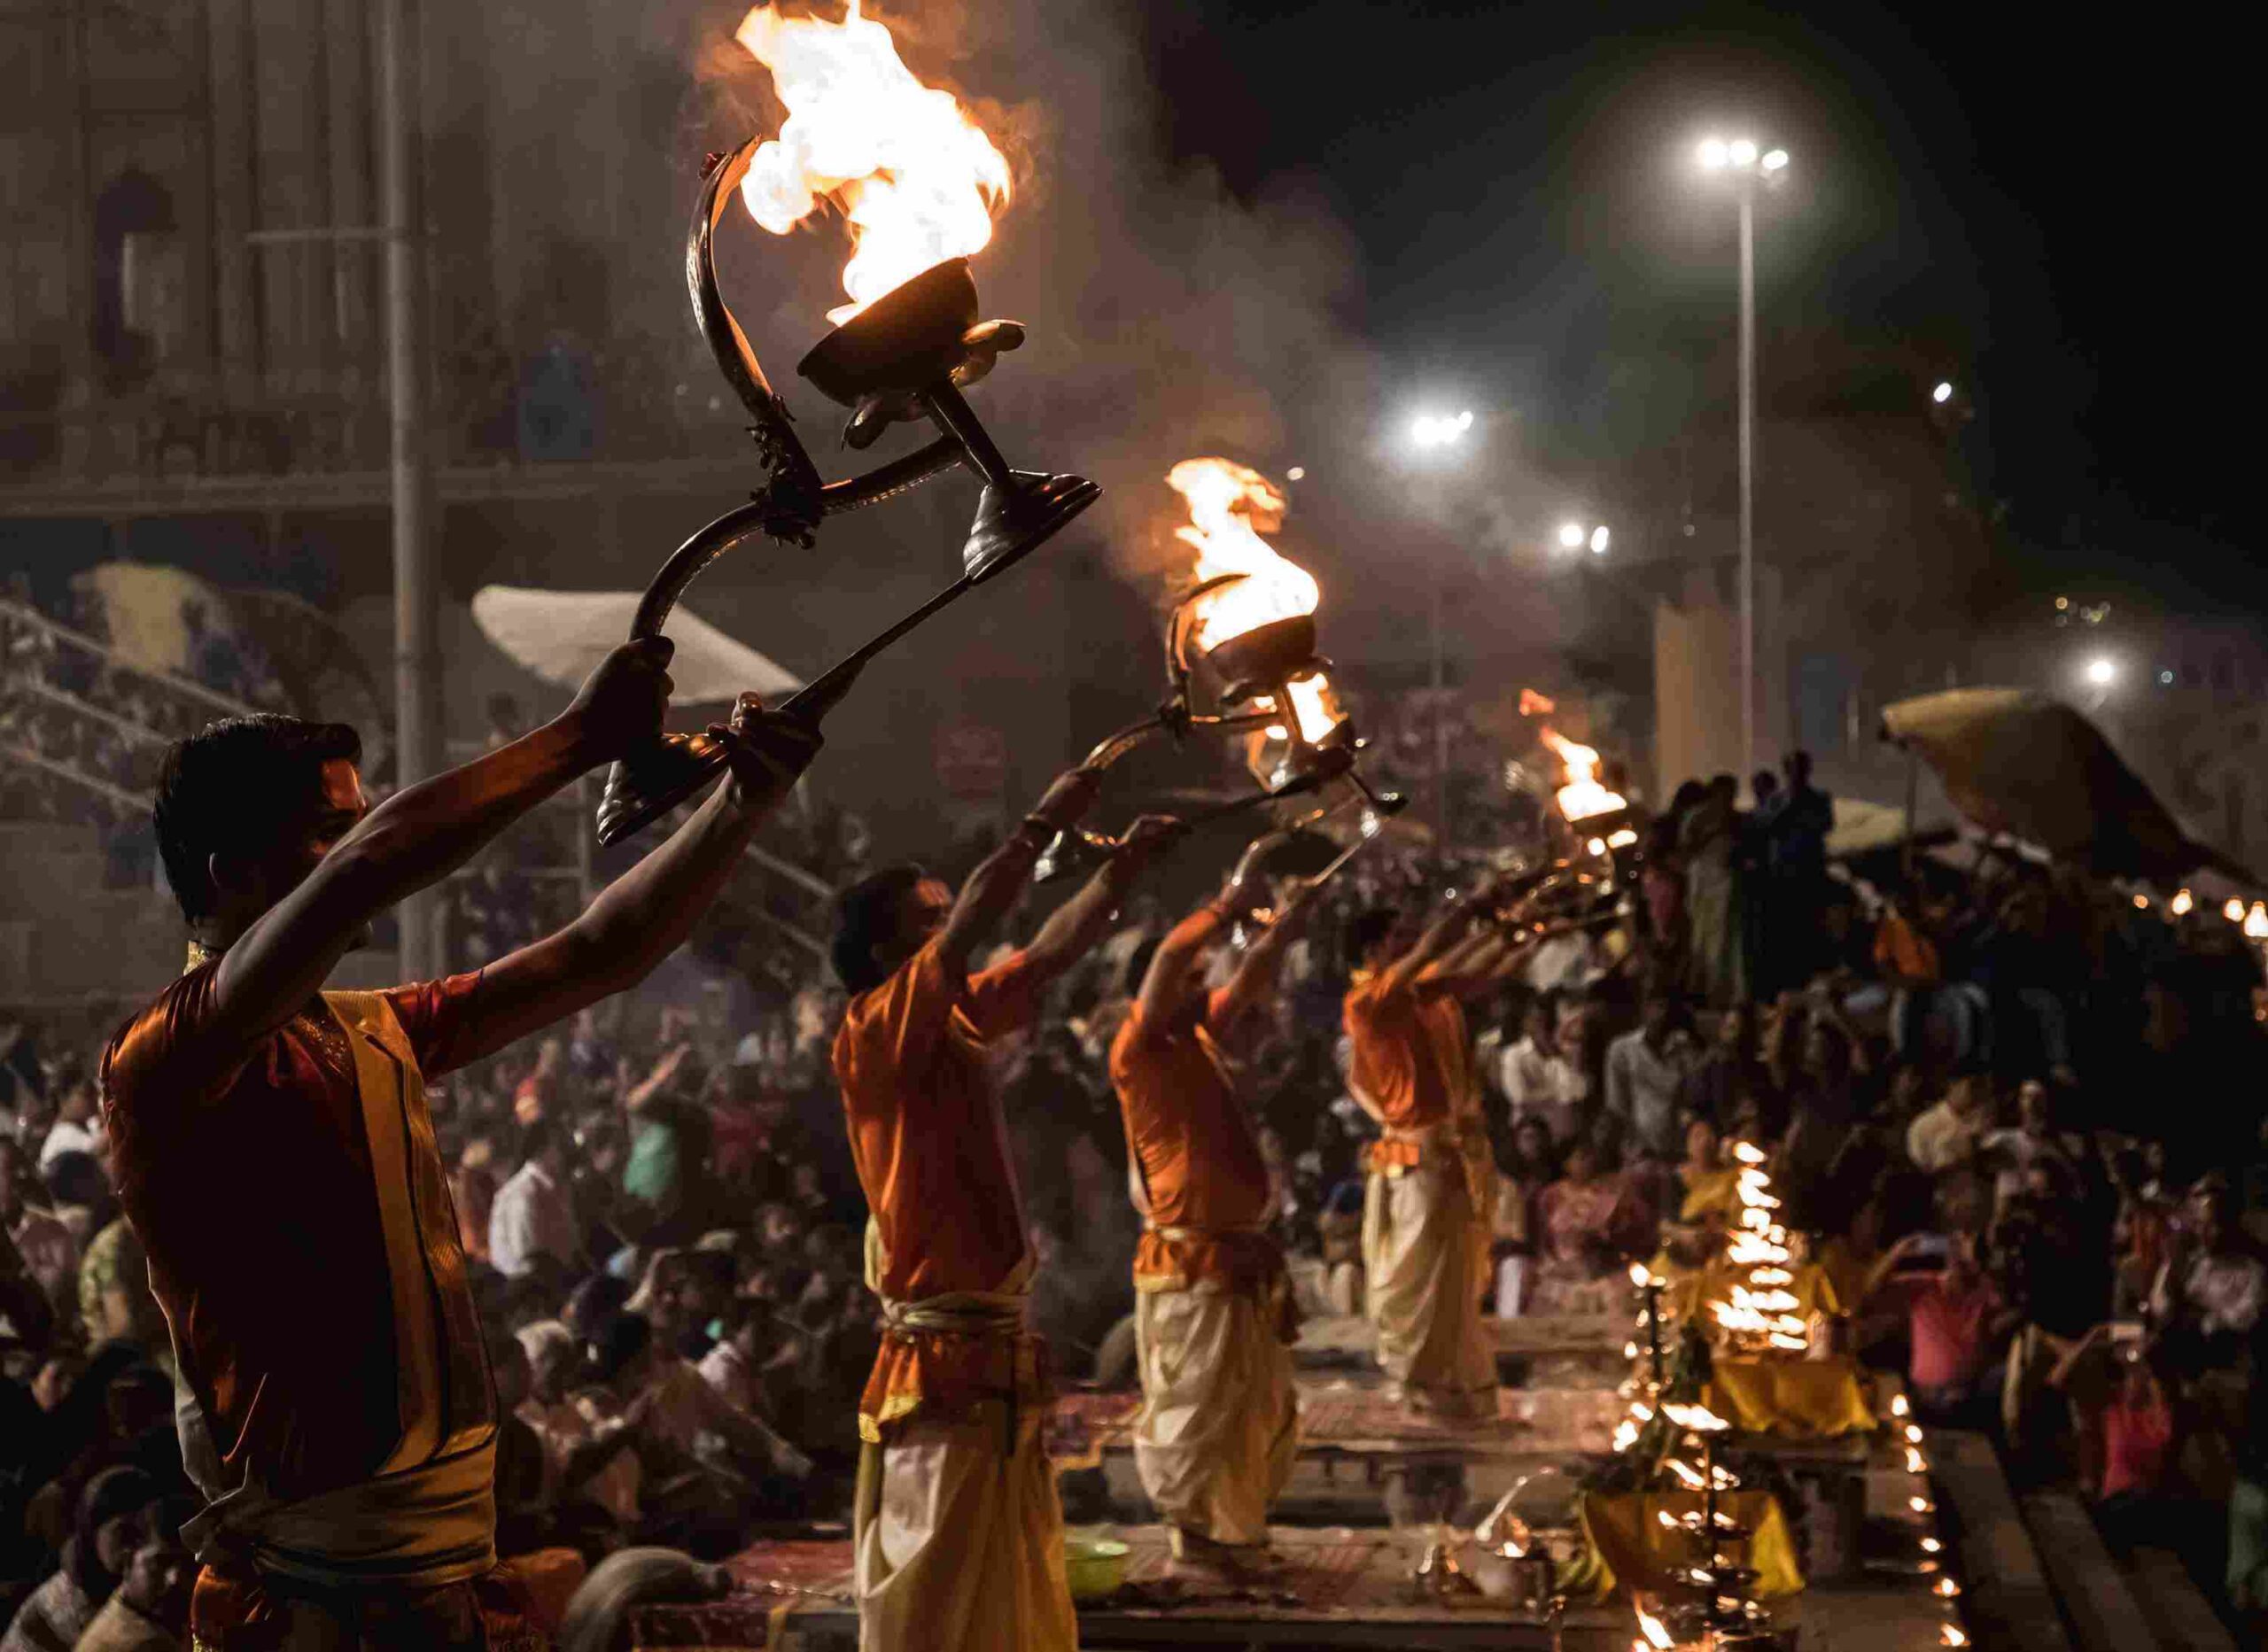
column 420, row 1528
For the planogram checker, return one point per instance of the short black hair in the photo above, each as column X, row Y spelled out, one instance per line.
column 1365, row 929
column 538, row 1135
column 231, row 786
column 866, row 914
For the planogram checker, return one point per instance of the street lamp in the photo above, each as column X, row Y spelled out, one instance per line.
column 1574, row 536
column 2102, row 671
column 1570, row 534
column 1943, row 393
column 1432, row 435
column 1749, row 164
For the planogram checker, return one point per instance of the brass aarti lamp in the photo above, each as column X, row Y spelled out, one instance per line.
column 906, row 356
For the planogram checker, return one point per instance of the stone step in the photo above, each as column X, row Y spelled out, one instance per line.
column 2177, row 1610
column 2010, row 1606
column 2100, row 1608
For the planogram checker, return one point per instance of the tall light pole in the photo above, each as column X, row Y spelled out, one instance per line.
column 1749, row 168
column 416, row 647
column 1433, row 434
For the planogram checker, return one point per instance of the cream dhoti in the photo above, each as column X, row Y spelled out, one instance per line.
column 1218, row 1430
column 1426, row 1273
column 959, row 1532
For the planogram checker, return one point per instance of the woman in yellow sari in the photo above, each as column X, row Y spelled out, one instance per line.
column 1708, row 1185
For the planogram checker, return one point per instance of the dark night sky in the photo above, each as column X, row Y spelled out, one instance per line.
column 2054, row 211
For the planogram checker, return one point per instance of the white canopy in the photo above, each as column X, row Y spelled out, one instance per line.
column 561, row 636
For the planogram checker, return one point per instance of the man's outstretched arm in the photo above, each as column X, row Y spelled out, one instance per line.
column 1072, row 930
column 992, row 891
column 646, row 914
column 420, row 834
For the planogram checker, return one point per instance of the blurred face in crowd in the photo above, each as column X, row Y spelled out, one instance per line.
column 158, row 1580
column 1971, row 1095
column 1737, row 1028
column 1531, row 1141
column 1701, row 1144
column 1906, row 1091
column 1582, row 1163
column 2031, row 1107
column 1823, row 1053
column 1654, row 1016
column 1541, row 1022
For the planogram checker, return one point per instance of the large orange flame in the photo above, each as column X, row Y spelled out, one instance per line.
column 1582, row 796
column 918, row 180
column 1230, row 507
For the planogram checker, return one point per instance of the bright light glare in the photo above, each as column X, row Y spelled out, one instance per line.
column 1943, row 393
column 1743, row 152
column 1773, row 159
column 1297, row 473
column 1599, row 537
column 1570, row 534
column 2101, row 672
column 1439, row 430
column 1712, row 154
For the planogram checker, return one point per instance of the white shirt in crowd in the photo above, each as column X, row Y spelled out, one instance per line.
column 2224, row 1292
column 1543, row 1084
column 532, row 1217
column 66, row 1137
column 1642, row 1090
column 1941, row 1137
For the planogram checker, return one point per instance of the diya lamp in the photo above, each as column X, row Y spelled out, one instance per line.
column 1651, row 1286
column 902, row 351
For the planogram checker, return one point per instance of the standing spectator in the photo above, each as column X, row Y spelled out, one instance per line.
column 1646, row 1069
column 1718, row 973
column 1953, row 1317
column 532, row 1224
column 2014, row 1152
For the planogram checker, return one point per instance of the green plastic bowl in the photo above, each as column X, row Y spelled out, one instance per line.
column 1096, row 1566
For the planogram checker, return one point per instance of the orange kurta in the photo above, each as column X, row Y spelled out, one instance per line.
column 1199, row 1160
column 932, row 1154
column 1411, row 1063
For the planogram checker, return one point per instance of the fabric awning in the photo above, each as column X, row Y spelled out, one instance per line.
column 561, row 635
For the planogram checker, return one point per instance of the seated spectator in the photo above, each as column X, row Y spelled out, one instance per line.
column 1585, row 1218
column 149, row 1610
column 77, row 1128
column 1707, row 1186
column 114, row 1300
column 1542, row 1080
column 107, row 1531
column 1532, row 1165
column 1948, row 1134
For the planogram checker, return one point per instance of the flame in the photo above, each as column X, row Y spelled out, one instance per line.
column 1697, row 1417
column 1656, row 1636
column 2233, row 910
column 1230, row 507
column 918, row 180
column 1582, row 796
column 2256, row 923
column 1947, row 1635
column 1534, row 704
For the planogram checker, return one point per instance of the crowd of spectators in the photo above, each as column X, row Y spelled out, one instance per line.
column 2011, row 1108
column 70, row 714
